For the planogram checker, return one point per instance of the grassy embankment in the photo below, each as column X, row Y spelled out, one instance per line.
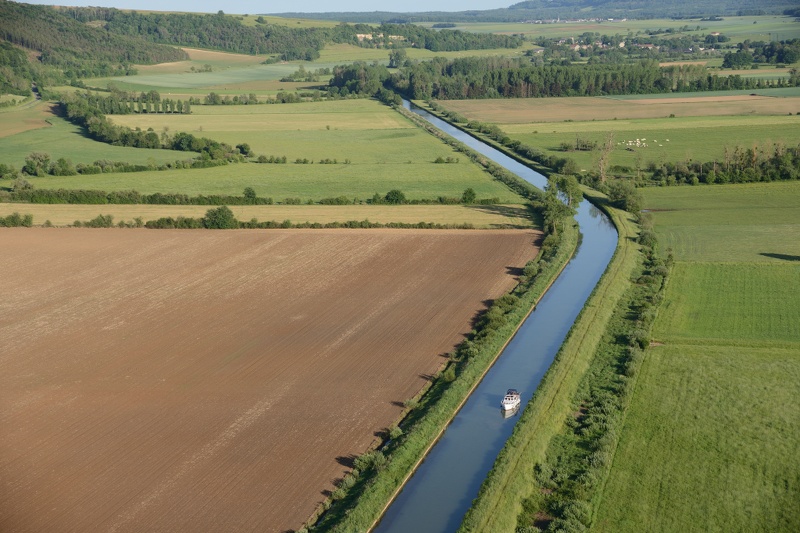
column 704, row 125
column 710, row 440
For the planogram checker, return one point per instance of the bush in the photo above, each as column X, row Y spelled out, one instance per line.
column 220, row 218
column 395, row 196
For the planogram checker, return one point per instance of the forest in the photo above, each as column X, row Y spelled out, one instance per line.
column 75, row 49
column 492, row 77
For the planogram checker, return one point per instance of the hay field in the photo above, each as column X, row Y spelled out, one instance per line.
column 715, row 412
column 218, row 380
column 482, row 217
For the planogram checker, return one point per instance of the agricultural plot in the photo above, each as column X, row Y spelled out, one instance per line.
column 385, row 151
column 201, row 380
column 480, row 216
column 709, row 439
column 649, row 128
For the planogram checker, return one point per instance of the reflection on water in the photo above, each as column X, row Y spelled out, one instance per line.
column 508, row 413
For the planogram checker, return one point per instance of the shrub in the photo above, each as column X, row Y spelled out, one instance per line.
column 220, row 218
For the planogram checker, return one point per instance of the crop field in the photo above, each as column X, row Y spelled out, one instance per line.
column 209, row 380
column 757, row 222
column 715, row 412
column 644, row 129
column 480, row 216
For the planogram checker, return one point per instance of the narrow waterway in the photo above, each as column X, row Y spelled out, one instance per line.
column 440, row 492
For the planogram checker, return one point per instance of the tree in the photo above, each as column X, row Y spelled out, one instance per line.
column 395, row 196
column 568, row 186
column 220, row 218
column 624, row 195
column 397, row 57
column 469, row 196
column 250, row 195
column 604, row 162
column 36, row 164
column 244, row 149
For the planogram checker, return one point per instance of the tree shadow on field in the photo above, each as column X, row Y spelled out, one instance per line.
column 514, row 271
column 348, row 461
column 506, row 211
column 783, row 257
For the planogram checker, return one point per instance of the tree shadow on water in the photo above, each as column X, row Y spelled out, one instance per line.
column 783, row 257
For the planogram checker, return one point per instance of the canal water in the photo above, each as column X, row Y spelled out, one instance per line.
column 438, row 495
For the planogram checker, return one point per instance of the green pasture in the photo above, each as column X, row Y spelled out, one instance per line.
column 710, row 442
column 665, row 139
column 732, row 303
column 62, row 139
column 307, row 182
column 756, row 222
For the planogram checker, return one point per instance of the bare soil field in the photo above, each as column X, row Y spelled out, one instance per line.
column 532, row 110
column 218, row 380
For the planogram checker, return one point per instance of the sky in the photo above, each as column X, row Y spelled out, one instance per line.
column 305, row 6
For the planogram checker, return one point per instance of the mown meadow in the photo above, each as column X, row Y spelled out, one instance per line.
column 709, row 442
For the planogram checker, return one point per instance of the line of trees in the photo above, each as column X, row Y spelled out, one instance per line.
column 78, row 110
column 125, row 103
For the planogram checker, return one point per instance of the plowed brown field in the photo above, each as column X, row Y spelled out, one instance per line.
column 210, row 380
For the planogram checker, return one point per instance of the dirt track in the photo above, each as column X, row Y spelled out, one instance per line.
column 210, row 380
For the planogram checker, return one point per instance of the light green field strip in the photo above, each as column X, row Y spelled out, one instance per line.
column 496, row 216
column 709, row 444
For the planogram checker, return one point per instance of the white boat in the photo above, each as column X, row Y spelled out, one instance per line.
column 511, row 400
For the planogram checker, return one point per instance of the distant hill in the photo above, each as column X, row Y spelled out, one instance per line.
column 73, row 47
column 573, row 9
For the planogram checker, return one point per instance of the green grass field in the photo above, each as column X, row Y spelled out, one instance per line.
column 758, row 222
column 62, row 139
column 709, row 442
column 386, row 152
